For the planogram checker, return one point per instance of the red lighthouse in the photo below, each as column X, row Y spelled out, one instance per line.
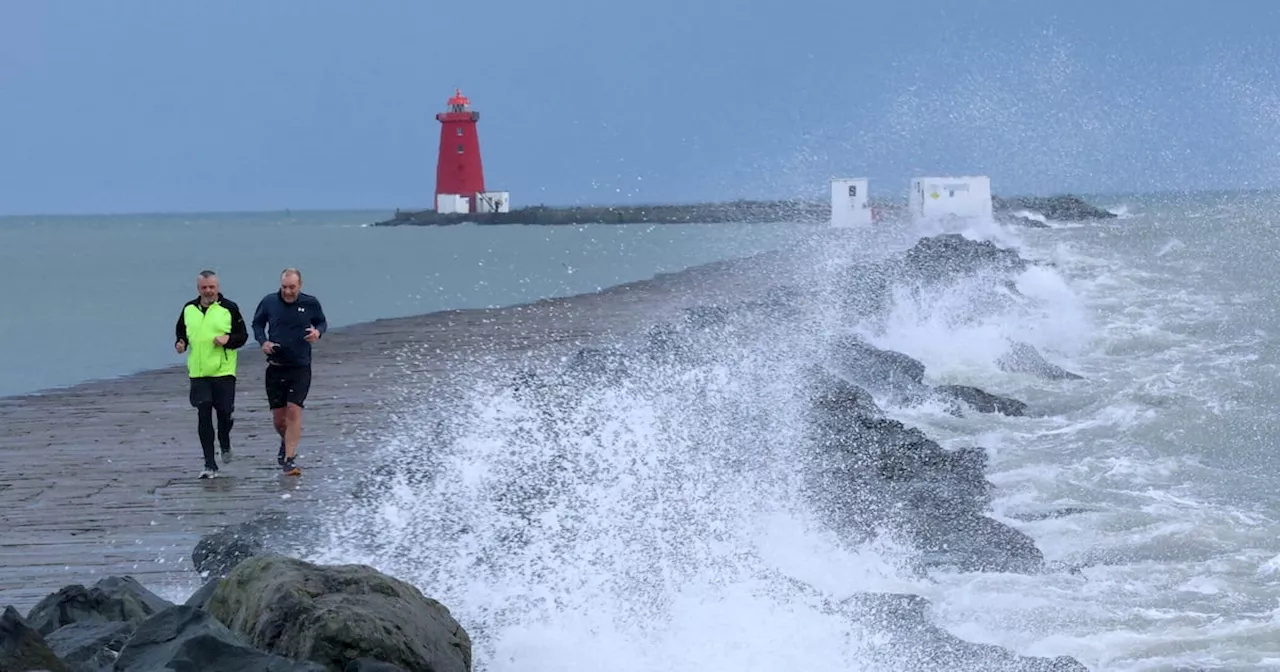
column 459, row 173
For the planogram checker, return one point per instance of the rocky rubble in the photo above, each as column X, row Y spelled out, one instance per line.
column 270, row 612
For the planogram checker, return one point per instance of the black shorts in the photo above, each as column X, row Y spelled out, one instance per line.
column 219, row 391
column 287, row 385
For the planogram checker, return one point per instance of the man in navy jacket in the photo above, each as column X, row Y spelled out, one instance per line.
column 285, row 324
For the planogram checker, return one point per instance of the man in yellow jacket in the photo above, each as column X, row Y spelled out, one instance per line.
column 210, row 329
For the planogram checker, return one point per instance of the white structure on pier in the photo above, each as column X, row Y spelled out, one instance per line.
column 950, row 197
column 849, row 205
column 484, row 201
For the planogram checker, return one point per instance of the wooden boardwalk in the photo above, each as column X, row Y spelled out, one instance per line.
column 100, row 478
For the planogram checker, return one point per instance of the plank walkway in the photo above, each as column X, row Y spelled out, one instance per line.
column 99, row 479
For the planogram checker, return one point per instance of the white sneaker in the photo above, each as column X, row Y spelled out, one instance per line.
column 209, row 473
column 226, row 456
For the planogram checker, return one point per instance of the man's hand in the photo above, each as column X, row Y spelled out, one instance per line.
column 221, row 340
column 268, row 347
column 312, row 335
column 181, row 347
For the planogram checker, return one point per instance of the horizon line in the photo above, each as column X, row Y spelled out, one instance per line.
column 369, row 209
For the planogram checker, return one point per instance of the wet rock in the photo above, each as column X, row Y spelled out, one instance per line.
column 212, row 653
column 368, row 665
column 90, row 645
column 949, row 255
column 187, row 639
column 113, row 598
column 869, row 471
column 970, row 542
column 877, row 369
column 275, row 532
column 981, row 400
column 838, row 399
column 1050, row 515
column 1024, row 358
column 1064, row 208
column 23, row 648
column 200, row 598
column 335, row 614
column 932, row 648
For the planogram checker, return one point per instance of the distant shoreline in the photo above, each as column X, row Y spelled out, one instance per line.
column 1061, row 207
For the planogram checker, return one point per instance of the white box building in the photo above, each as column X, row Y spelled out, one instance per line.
column 451, row 203
column 493, row 201
column 849, row 205
column 485, row 201
column 950, row 197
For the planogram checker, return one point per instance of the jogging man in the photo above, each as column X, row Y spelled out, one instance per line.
column 285, row 324
column 209, row 330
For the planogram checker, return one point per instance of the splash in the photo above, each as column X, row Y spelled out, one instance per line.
column 653, row 508
column 655, row 521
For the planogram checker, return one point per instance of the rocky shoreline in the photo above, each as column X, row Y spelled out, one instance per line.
column 265, row 607
column 268, row 611
column 1063, row 207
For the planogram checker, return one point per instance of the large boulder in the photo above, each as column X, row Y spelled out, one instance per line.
column 333, row 615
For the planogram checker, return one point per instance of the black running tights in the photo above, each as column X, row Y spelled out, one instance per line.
column 204, row 414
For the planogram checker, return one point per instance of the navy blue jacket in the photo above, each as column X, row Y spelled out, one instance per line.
column 285, row 324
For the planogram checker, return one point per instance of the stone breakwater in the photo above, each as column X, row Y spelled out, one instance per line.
column 1062, row 208
column 269, row 612
column 264, row 607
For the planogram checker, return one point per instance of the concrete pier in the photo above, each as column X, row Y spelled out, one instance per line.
column 100, row 478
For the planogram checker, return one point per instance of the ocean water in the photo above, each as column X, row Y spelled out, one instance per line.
column 97, row 297
column 666, row 510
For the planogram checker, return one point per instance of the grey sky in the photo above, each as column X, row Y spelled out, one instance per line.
column 129, row 106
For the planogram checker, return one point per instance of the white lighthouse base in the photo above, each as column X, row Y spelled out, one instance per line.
column 452, row 203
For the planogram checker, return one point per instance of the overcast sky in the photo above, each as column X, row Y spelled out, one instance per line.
column 179, row 105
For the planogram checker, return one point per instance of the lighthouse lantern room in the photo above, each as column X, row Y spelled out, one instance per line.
column 459, row 170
